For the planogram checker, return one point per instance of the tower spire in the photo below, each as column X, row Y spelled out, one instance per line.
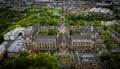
column 92, row 28
column 62, row 17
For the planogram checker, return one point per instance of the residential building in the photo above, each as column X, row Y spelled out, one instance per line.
column 87, row 61
column 2, row 52
column 114, row 35
column 101, row 11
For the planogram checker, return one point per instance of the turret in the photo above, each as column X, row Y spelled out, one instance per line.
column 92, row 28
column 62, row 17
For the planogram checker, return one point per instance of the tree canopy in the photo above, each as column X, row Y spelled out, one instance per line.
column 32, row 60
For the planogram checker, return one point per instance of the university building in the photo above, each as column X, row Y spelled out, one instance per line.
column 66, row 45
column 81, row 48
column 89, row 40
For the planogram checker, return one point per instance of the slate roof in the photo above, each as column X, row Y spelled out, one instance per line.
column 62, row 26
column 99, row 37
column 113, row 31
column 87, row 58
column 63, row 38
column 81, row 37
column 45, row 38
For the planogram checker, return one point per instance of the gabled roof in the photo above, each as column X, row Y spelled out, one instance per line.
column 62, row 28
column 81, row 37
column 45, row 38
column 63, row 38
column 114, row 32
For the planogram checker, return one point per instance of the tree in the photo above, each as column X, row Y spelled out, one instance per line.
column 118, row 29
column 96, row 23
column 113, row 27
column 24, row 53
column 71, row 31
column 78, row 23
column 8, row 64
column 72, row 64
column 117, row 58
column 32, row 60
column 50, row 32
column 21, row 62
column 104, row 33
column 82, row 22
column 112, row 63
column 104, row 55
column 104, row 27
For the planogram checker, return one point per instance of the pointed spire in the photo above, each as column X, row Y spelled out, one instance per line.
column 62, row 9
column 92, row 28
column 62, row 17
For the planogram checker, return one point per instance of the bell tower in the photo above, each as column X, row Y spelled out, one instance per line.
column 63, row 36
column 62, row 17
column 63, row 40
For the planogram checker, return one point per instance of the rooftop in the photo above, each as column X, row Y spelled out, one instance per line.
column 81, row 37
column 86, row 58
column 14, row 31
column 113, row 31
column 45, row 38
column 16, row 46
column 2, row 48
column 101, row 10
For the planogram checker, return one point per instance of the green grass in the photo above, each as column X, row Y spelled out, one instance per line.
column 76, row 34
column 34, row 9
column 107, row 41
column 43, row 34
column 55, row 12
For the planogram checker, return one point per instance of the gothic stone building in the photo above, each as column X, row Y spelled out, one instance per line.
column 63, row 43
column 89, row 40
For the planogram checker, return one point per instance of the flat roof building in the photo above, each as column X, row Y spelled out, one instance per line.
column 101, row 10
column 2, row 52
column 13, row 34
column 15, row 48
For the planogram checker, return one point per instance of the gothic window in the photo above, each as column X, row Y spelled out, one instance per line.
column 76, row 43
column 50, row 43
column 73, row 43
column 82, row 43
column 42, row 44
column 52, row 47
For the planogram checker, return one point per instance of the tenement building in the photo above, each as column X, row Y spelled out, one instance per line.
column 114, row 35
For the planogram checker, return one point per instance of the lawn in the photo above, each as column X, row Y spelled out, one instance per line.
column 76, row 34
column 43, row 34
column 55, row 12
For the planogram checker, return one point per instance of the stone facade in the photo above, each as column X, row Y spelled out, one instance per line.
column 114, row 35
column 89, row 40
column 63, row 43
